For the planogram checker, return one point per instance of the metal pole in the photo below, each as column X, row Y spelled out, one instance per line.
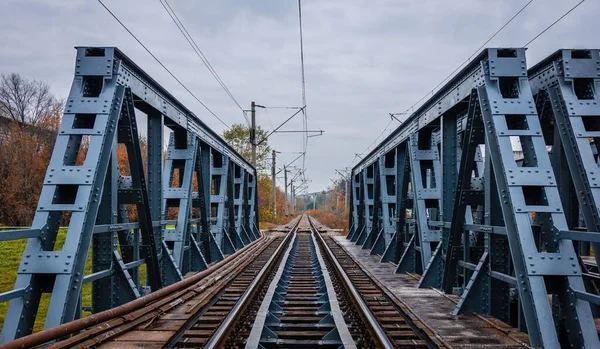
column 292, row 195
column 346, row 194
column 253, row 132
column 346, row 178
column 274, row 187
column 285, row 202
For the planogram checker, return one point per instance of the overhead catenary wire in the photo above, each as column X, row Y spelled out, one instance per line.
column 268, row 118
column 305, row 123
column 278, row 127
column 188, row 37
column 553, row 23
column 162, row 65
column 456, row 69
column 376, row 139
column 469, row 58
column 282, row 107
column 197, row 49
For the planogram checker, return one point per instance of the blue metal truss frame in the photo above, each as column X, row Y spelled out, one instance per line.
column 100, row 114
column 501, row 241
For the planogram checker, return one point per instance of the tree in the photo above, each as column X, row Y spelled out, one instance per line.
column 265, row 200
column 329, row 205
column 29, row 119
column 239, row 138
column 28, row 102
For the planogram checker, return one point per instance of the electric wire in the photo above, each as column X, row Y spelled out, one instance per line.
column 553, row 23
column 278, row 127
column 456, row 69
column 188, row 37
column 197, row 49
column 269, row 118
column 161, row 64
column 469, row 58
column 282, row 107
column 376, row 139
column 305, row 123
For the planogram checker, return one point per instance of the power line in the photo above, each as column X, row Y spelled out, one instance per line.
column 268, row 118
column 471, row 56
column 305, row 123
column 188, row 37
column 161, row 64
column 197, row 49
column 381, row 134
column 375, row 140
column 278, row 127
column 553, row 23
column 461, row 65
column 282, row 107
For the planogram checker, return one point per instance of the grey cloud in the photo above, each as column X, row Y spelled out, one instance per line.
column 363, row 58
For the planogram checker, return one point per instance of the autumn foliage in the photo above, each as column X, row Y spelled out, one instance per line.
column 331, row 211
column 265, row 201
column 23, row 160
column 29, row 119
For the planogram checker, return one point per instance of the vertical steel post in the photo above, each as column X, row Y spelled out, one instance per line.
column 285, row 202
column 293, row 196
column 274, row 186
column 253, row 132
column 155, row 168
column 346, row 180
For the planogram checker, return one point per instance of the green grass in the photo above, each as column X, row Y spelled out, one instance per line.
column 11, row 257
column 11, row 252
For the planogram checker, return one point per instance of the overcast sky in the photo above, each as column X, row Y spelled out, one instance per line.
column 364, row 59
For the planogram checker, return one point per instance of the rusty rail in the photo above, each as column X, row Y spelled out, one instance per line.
column 69, row 328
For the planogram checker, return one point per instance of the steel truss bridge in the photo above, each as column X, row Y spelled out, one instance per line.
column 445, row 197
column 213, row 218
column 446, row 219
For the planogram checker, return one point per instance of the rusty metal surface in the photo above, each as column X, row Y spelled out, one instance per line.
column 153, row 319
column 434, row 308
column 188, row 315
column 119, row 314
column 164, row 319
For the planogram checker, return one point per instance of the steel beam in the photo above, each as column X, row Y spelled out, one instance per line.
column 505, row 226
column 387, row 203
column 94, row 193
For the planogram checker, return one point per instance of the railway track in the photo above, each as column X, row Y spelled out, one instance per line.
column 162, row 318
column 385, row 316
column 298, row 289
column 301, row 308
column 312, row 300
column 188, row 317
column 212, row 317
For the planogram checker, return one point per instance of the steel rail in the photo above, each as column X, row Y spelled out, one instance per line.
column 378, row 332
column 69, row 328
column 200, row 309
column 253, row 340
column 336, row 312
column 220, row 334
column 106, row 331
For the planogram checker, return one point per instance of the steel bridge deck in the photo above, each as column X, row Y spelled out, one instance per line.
column 434, row 308
column 293, row 288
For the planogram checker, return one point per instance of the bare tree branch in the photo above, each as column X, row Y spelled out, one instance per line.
column 27, row 102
